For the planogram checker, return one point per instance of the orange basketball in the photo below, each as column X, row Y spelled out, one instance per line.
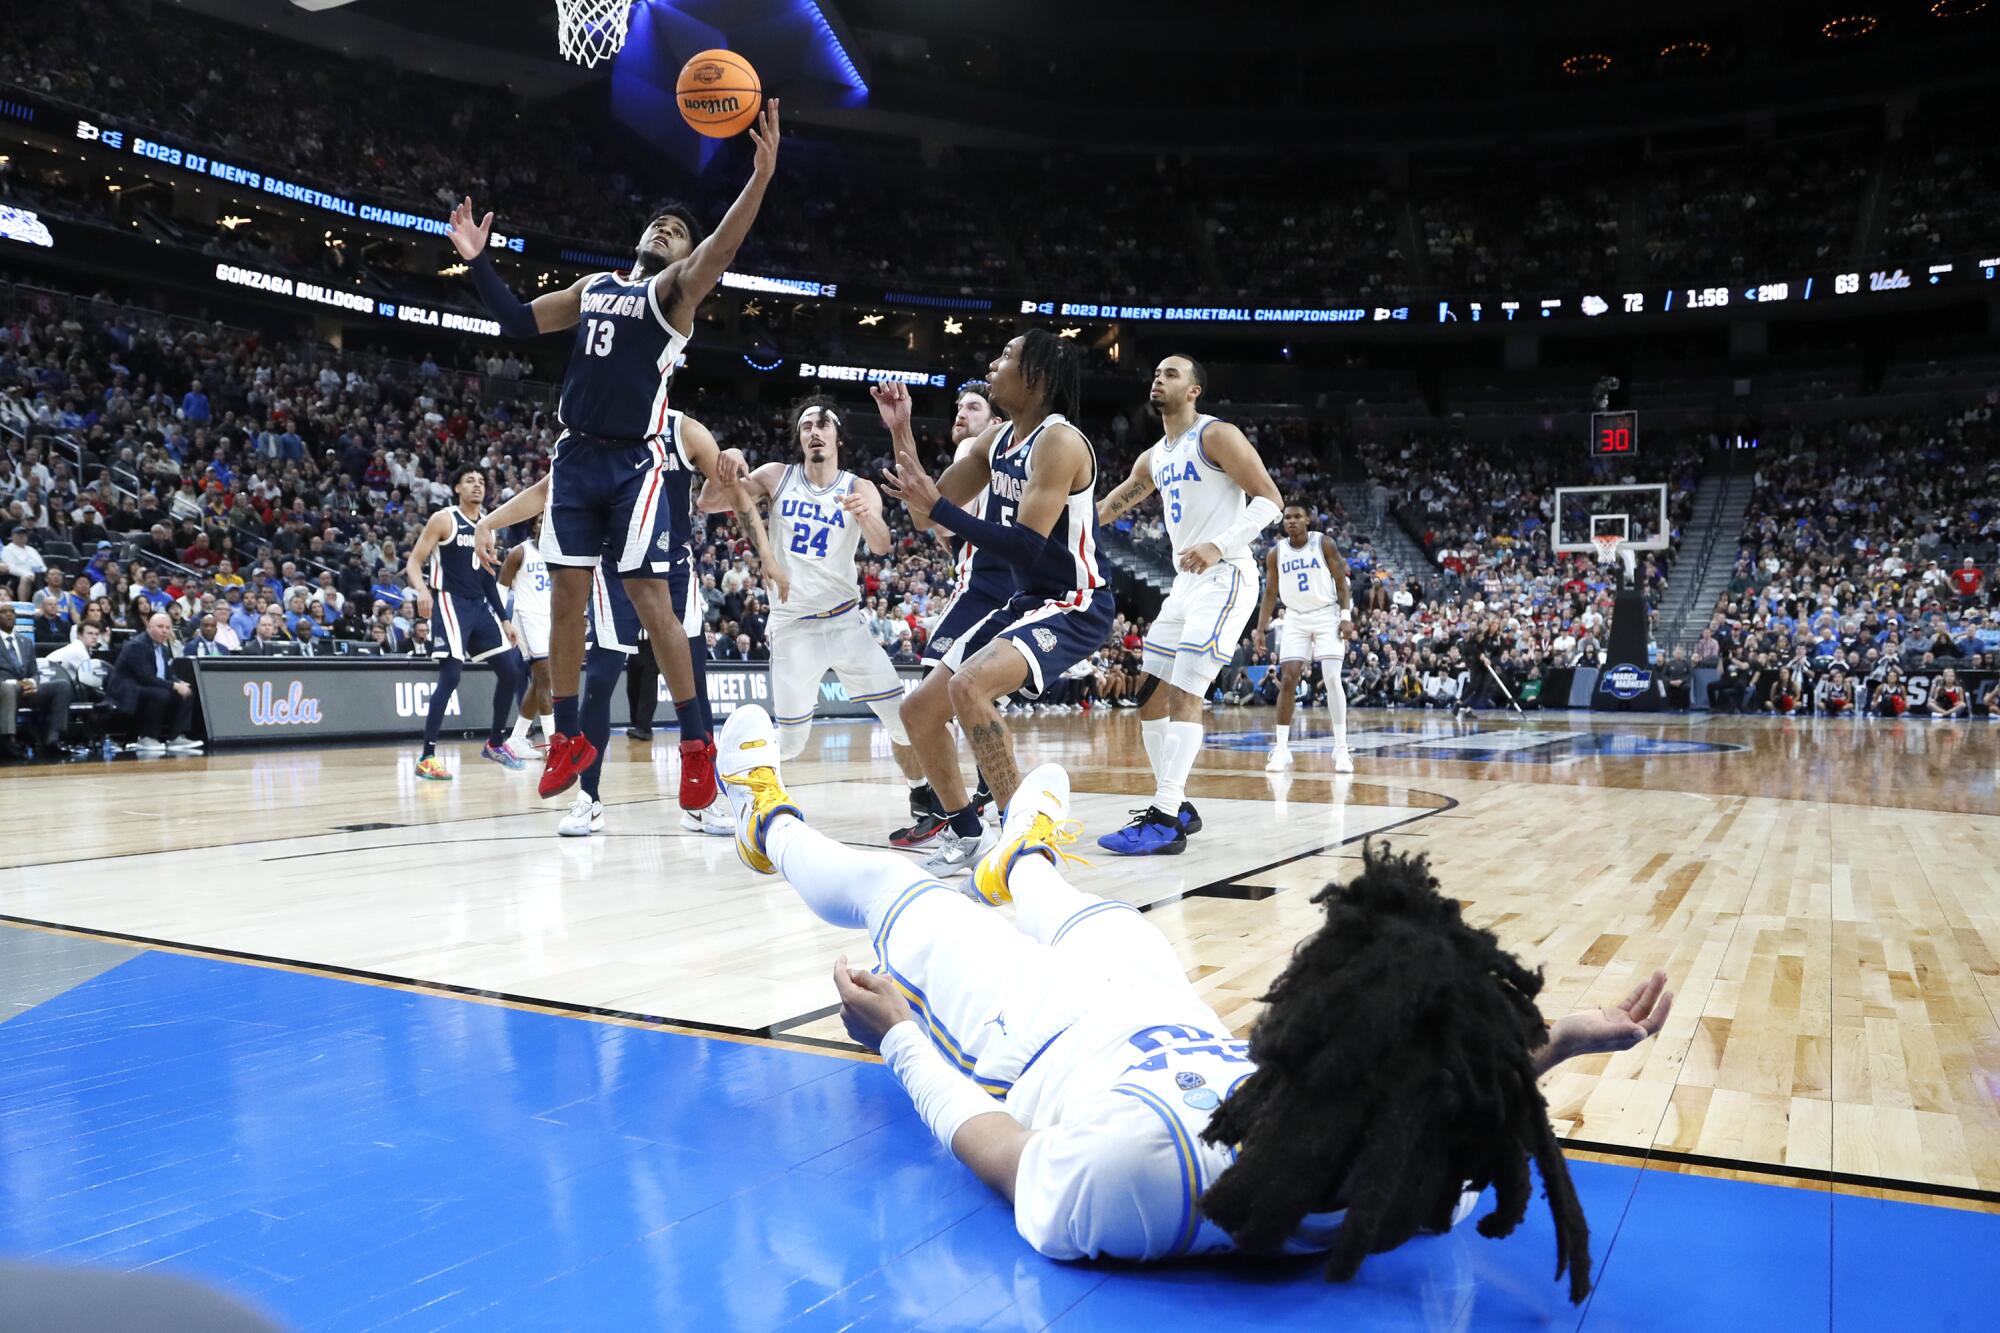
column 719, row 94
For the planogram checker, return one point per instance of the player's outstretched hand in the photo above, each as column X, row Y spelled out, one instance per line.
column 765, row 135
column 1616, row 1027
column 908, row 482
column 870, row 1004
column 468, row 237
column 892, row 400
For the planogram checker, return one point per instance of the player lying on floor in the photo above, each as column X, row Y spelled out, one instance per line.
column 1066, row 1060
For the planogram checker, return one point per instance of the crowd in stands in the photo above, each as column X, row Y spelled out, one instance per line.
column 1271, row 229
column 261, row 498
column 1862, row 566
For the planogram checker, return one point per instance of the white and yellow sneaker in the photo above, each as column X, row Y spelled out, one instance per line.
column 1037, row 824
column 746, row 763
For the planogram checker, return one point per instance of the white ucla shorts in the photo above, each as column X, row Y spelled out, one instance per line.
column 1200, row 624
column 533, row 631
column 804, row 649
column 1308, row 636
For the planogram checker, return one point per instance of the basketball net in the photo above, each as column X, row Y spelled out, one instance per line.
column 591, row 30
column 1607, row 544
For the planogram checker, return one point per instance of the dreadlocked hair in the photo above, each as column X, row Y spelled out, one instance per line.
column 1054, row 368
column 1394, row 1070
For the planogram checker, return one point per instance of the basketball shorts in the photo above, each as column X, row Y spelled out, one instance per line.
column 1054, row 634
column 464, row 628
column 614, row 621
column 804, row 649
column 1311, row 636
column 960, row 618
column 609, row 503
column 1199, row 625
column 533, row 631
column 994, row 1000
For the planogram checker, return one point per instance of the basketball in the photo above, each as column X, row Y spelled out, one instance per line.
column 719, row 94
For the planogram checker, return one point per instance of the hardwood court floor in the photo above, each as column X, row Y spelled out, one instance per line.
column 1825, row 896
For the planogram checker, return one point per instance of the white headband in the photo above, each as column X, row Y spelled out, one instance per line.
column 817, row 410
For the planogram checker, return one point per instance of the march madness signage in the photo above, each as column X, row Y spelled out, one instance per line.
column 250, row 700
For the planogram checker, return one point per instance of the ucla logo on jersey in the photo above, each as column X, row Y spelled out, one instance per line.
column 1293, row 566
column 1175, row 473
column 1045, row 639
column 831, row 515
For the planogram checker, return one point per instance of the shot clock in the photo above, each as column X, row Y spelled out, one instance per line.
column 1614, row 434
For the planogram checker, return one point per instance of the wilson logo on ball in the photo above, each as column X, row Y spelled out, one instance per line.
column 712, row 106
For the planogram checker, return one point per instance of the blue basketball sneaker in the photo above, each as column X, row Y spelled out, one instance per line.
column 1151, row 833
column 1190, row 820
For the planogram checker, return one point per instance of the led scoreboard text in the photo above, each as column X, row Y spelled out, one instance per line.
column 1614, row 434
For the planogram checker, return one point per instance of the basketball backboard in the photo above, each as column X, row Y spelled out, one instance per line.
column 1637, row 513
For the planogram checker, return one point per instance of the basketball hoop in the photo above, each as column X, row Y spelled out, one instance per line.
column 1607, row 544
column 591, row 30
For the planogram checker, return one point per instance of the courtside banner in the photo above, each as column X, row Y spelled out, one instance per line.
column 252, row 700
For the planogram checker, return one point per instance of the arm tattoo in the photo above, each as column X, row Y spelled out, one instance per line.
column 995, row 755
column 1123, row 498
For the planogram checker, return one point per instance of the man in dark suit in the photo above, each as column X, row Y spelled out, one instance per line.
column 205, row 643
column 20, row 688
column 142, row 683
column 265, row 641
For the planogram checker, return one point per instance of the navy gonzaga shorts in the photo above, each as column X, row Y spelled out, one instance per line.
column 612, row 501
column 1054, row 634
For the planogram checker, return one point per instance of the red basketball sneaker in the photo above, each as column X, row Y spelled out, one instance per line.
column 563, row 762
column 697, row 774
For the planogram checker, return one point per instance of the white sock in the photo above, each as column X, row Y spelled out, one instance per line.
column 1182, row 746
column 548, row 721
column 914, row 782
column 1043, row 899
column 1285, row 732
column 1336, row 703
column 520, row 729
column 1153, row 735
column 844, row 886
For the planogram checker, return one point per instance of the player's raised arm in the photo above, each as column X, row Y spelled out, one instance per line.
column 970, row 468
column 1130, row 491
column 550, row 312
column 682, row 287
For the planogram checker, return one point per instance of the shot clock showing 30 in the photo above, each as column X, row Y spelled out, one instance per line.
column 1614, row 434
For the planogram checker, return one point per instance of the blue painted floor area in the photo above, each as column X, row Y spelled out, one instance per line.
column 354, row 1157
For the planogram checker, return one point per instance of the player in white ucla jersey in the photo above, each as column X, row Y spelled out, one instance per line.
column 1217, row 497
column 819, row 515
column 1068, row 1061
column 605, row 491
column 1040, row 469
column 1311, row 578
column 524, row 575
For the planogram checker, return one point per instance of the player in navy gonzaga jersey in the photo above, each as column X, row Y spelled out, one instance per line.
column 614, row 623
column 981, row 582
column 605, row 480
column 468, row 622
column 1040, row 470
column 1066, row 1059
